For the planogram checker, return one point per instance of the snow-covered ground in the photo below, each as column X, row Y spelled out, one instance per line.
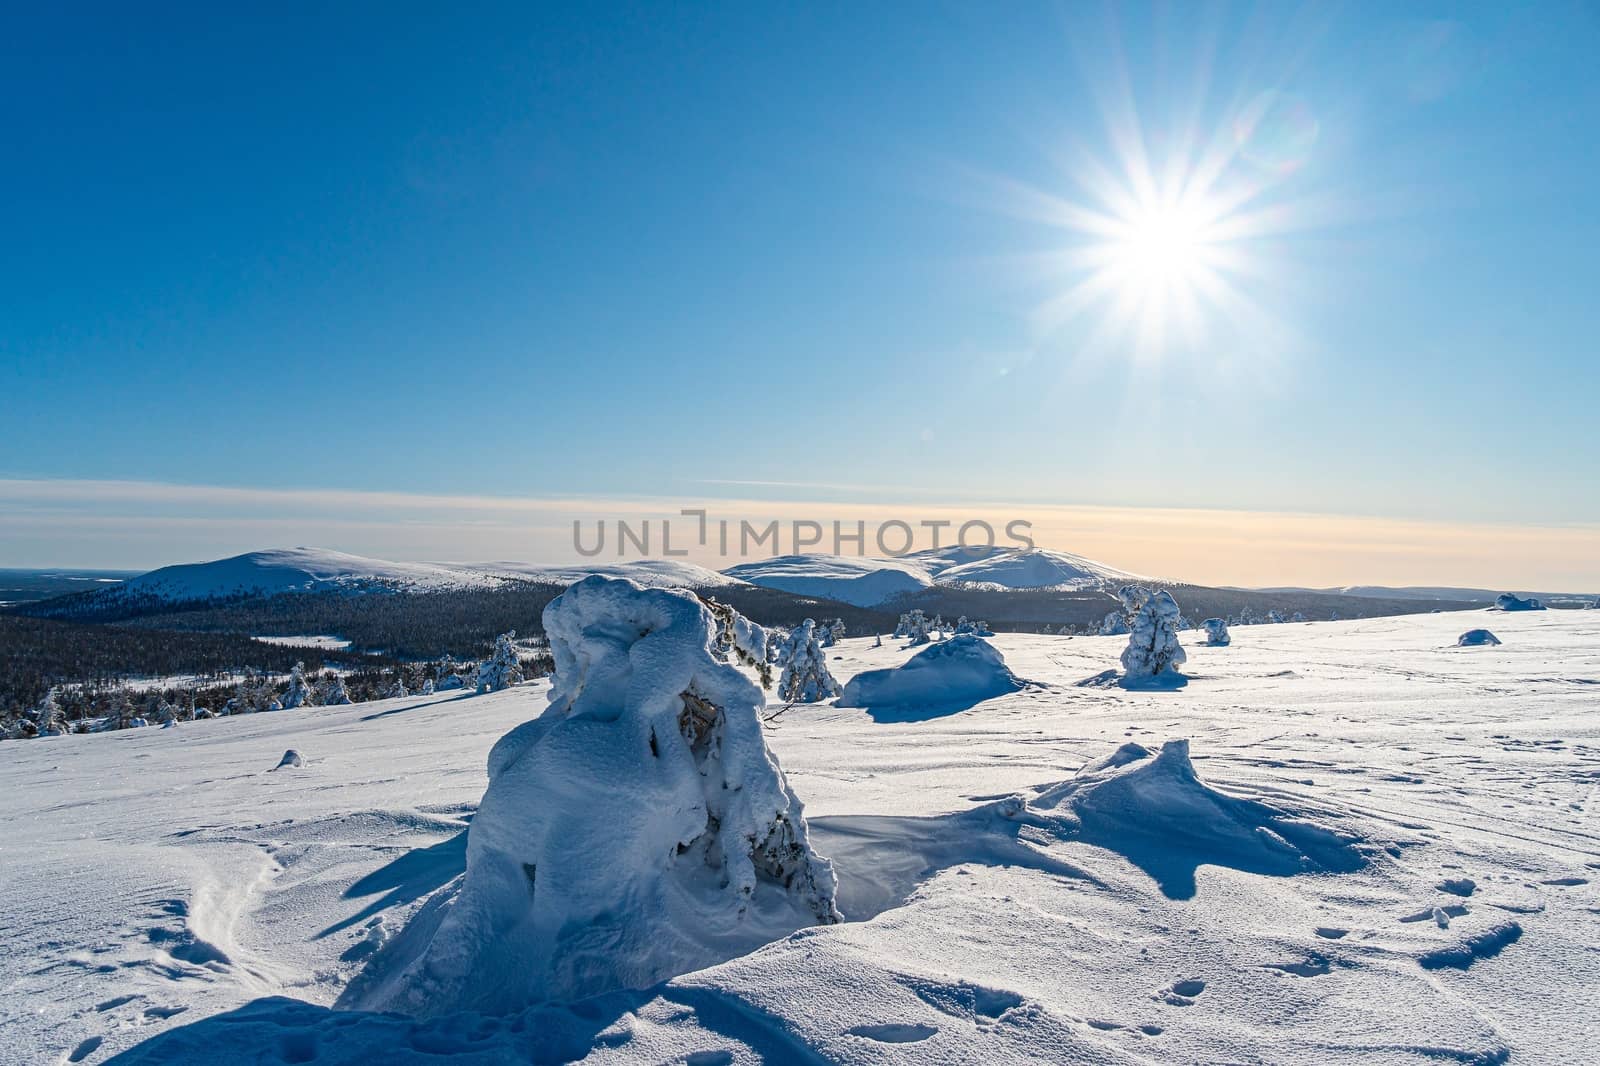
column 859, row 580
column 321, row 641
column 166, row 896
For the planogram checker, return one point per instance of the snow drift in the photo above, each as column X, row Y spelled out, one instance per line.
column 637, row 829
column 1474, row 638
column 950, row 675
column 1154, row 809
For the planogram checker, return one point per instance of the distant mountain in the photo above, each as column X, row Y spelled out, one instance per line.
column 858, row 580
column 1033, row 568
column 869, row 582
column 1438, row 592
column 651, row 573
column 280, row 570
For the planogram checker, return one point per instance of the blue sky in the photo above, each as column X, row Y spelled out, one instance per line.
column 806, row 252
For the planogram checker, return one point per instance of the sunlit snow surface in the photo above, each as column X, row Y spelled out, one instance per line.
column 169, row 897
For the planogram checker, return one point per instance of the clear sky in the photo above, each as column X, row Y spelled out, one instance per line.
column 1263, row 259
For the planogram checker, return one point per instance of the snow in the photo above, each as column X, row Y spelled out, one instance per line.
column 324, row 642
column 169, row 898
column 951, row 675
column 857, row 580
column 1507, row 601
column 637, row 829
column 1474, row 638
column 1033, row 568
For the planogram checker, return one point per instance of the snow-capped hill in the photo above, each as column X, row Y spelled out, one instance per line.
column 650, row 573
column 280, row 570
column 1033, row 568
column 857, row 580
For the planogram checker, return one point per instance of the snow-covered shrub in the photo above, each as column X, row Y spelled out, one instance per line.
column 916, row 627
column 1216, row 632
column 1153, row 647
column 981, row 629
column 334, row 694
column 299, row 692
column 805, row 676
column 427, row 686
column 501, row 669
column 639, row 828
column 1298, row 616
column 1477, row 638
column 963, row 626
column 1507, row 601
column 1275, row 617
column 399, row 689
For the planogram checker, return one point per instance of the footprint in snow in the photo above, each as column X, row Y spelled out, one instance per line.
column 708, row 1058
column 1458, row 886
column 1331, row 932
column 894, row 1032
column 1566, row 882
column 1315, row 966
column 1182, row 993
column 85, row 1049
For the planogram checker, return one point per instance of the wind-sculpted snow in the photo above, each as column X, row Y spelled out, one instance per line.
column 1154, row 809
column 945, row 677
column 638, row 829
column 1476, row 638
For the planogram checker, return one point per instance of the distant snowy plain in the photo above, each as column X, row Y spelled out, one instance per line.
column 166, row 896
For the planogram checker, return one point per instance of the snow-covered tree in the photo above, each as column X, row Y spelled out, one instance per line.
column 805, row 676
column 1153, row 647
column 299, row 693
column 903, row 627
column 1216, row 632
column 334, row 694
column 940, row 626
column 877, row 641
column 399, row 689
column 1247, row 617
column 1115, row 624
column 48, row 717
column 917, row 628
column 740, row 640
column 637, row 829
column 427, row 686
column 1048, row 629
column 1275, row 617
column 963, row 626
column 1298, row 616
column 502, row 669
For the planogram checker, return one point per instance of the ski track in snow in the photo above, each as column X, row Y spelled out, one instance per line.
column 171, row 898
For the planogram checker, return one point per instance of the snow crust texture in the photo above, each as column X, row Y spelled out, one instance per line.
column 637, row 829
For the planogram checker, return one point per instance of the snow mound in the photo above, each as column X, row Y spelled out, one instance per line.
column 281, row 570
column 1032, row 568
column 857, row 580
column 1474, row 638
column 291, row 758
column 637, row 829
column 951, row 674
column 1507, row 601
column 1154, row 809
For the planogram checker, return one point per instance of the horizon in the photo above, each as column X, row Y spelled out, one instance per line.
column 1150, row 273
column 1198, row 546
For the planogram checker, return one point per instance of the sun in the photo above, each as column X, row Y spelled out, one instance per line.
column 1163, row 246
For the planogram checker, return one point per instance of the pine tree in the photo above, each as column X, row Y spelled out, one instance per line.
column 334, row 693
column 1153, row 647
column 298, row 693
column 805, row 668
column 503, row 668
column 50, row 719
